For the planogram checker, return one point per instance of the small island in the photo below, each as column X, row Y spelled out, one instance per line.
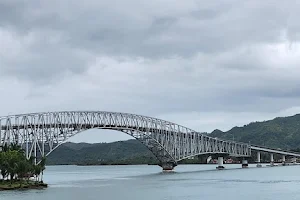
column 17, row 172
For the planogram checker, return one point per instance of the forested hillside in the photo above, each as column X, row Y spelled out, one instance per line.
column 281, row 132
column 122, row 152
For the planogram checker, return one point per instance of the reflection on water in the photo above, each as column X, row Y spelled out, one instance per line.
column 148, row 183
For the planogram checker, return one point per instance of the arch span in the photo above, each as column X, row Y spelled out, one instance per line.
column 40, row 133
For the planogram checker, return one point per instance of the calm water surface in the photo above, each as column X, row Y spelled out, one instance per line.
column 188, row 182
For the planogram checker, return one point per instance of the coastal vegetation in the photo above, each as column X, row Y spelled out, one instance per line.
column 17, row 172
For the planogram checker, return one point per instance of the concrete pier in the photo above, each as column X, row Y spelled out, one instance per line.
column 167, row 166
column 283, row 159
column 272, row 159
column 258, row 160
column 220, row 163
column 244, row 163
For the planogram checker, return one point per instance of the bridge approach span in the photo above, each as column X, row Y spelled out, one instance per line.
column 275, row 151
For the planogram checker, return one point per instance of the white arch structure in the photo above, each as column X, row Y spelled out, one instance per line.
column 41, row 133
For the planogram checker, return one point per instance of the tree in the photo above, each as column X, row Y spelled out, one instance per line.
column 3, row 165
column 13, row 162
column 5, row 148
column 37, row 171
column 24, row 168
column 15, row 166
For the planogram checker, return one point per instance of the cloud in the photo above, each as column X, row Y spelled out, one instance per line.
column 39, row 56
column 205, row 64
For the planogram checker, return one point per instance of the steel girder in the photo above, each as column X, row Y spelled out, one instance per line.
column 41, row 133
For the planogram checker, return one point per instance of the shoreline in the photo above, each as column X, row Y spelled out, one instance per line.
column 278, row 163
column 24, row 185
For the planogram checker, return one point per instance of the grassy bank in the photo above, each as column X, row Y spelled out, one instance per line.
column 17, row 185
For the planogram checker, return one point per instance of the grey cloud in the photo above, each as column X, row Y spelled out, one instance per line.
column 10, row 11
column 204, row 14
column 42, row 57
column 106, row 30
column 153, row 58
column 186, row 36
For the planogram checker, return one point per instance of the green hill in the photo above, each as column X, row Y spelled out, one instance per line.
column 122, row 152
column 282, row 132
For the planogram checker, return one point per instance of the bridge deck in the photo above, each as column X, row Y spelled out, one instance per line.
column 256, row 148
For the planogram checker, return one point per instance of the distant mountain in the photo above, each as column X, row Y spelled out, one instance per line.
column 281, row 132
column 77, row 146
column 122, row 152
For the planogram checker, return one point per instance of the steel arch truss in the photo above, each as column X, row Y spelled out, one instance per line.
column 40, row 133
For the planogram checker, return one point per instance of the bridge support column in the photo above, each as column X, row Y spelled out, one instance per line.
column 244, row 163
column 258, row 160
column 220, row 163
column 167, row 166
column 283, row 160
column 272, row 159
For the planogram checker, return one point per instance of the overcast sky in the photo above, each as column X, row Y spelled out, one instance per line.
column 202, row 64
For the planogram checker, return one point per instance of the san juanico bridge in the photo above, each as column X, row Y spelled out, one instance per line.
column 41, row 133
